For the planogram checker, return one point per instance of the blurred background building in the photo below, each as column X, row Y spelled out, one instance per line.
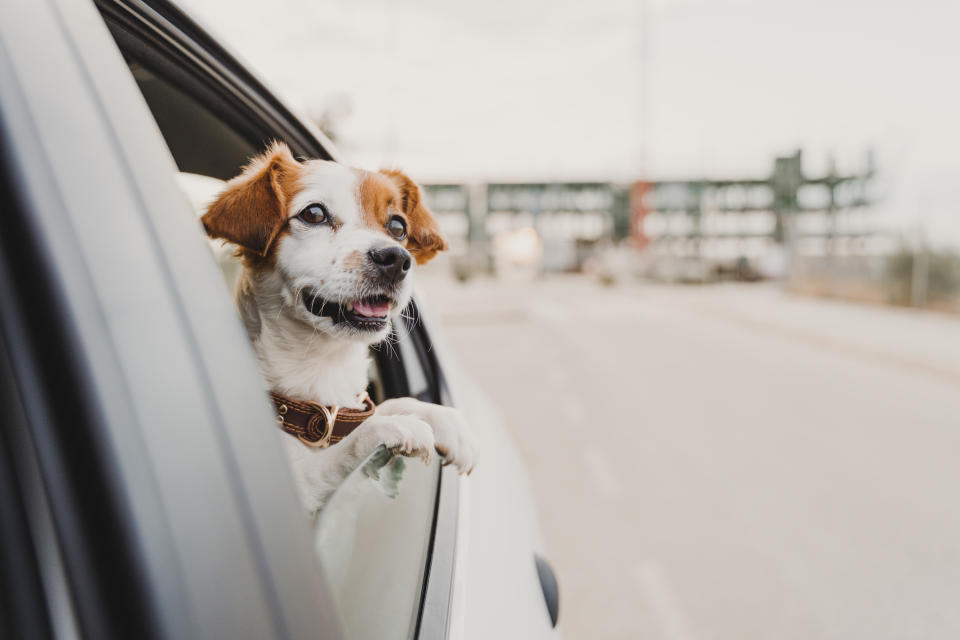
column 675, row 124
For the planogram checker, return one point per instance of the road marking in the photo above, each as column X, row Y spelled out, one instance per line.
column 601, row 469
column 663, row 603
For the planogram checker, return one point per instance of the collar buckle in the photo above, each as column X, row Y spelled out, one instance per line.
column 330, row 419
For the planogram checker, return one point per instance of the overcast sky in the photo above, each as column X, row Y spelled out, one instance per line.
column 535, row 89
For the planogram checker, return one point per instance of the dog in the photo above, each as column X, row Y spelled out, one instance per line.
column 328, row 255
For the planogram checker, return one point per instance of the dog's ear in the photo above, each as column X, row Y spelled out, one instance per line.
column 252, row 209
column 424, row 239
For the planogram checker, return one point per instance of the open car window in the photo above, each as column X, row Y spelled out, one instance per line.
column 374, row 533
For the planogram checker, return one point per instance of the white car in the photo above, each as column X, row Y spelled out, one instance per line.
column 143, row 492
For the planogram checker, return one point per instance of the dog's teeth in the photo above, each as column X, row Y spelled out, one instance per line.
column 349, row 306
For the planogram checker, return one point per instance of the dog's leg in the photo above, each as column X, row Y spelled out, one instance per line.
column 318, row 472
column 454, row 440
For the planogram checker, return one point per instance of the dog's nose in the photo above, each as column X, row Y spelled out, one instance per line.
column 392, row 262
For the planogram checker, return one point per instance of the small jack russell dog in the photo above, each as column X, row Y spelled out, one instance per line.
column 328, row 254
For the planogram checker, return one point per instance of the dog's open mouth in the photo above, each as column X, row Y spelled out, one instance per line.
column 365, row 314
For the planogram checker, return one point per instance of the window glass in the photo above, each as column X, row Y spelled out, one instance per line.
column 373, row 537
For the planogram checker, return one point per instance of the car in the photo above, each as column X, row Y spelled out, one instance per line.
column 143, row 491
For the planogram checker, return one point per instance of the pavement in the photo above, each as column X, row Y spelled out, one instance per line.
column 728, row 461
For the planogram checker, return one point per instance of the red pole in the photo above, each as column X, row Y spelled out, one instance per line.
column 639, row 193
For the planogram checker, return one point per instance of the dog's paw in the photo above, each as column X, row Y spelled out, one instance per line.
column 404, row 435
column 454, row 440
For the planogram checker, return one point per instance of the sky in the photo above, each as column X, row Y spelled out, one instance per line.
column 616, row 89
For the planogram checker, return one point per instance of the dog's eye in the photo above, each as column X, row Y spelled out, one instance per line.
column 314, row 214
column 397, row 227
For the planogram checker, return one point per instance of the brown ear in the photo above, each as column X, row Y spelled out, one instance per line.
column 424, row 239
column 252, row 209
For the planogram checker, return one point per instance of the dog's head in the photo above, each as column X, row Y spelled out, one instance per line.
column 343, row 241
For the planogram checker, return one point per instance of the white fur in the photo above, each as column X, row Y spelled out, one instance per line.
column 311, row 359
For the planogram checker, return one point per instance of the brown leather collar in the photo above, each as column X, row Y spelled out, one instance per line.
column 311, row 422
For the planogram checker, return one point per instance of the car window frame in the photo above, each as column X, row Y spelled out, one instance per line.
column 164, row 27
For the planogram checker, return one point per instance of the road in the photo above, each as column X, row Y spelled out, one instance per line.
column 728, row 462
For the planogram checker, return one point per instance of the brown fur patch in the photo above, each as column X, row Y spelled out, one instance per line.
column 378, row 196
column 251, row 211
column 424, row 239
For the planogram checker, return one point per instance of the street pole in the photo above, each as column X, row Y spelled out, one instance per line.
column 919, row 280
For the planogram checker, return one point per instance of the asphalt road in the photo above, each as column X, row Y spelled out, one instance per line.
column 728, row 462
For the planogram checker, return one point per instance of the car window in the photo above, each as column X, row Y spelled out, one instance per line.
column 374, row 533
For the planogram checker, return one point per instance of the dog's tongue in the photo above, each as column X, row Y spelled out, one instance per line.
column 371, row 309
